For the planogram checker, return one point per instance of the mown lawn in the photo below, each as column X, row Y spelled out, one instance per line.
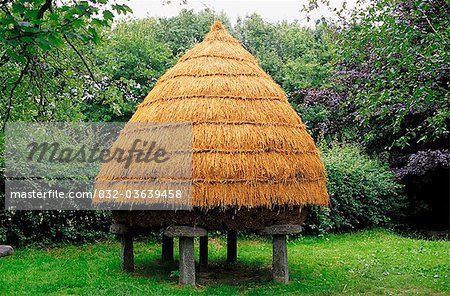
column 369, row 262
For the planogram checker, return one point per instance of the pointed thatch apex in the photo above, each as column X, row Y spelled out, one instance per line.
column 217, row 25
column 219, row 33
column 250, row 148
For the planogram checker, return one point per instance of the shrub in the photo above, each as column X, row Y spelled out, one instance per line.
column 363, row 192
column 20, row 228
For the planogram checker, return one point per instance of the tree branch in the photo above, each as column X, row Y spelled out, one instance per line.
column 46, row 6
column 81, row 58
column 4, row 59
column 11, row 93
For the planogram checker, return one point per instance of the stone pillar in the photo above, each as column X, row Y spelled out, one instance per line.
column 203, row 263
column 186, row 236
column 232, row 246
column 126, row 246
column 167, row 249
column 127, row 252
column 280, row 268
column 187, row 261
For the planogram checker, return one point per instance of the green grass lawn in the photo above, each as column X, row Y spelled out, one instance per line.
column 369, row 262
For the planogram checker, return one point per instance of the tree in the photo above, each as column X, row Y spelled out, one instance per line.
column 181, row 32
column 129, row 63
column 403, row 51
column 296, row 57
column 35, row 36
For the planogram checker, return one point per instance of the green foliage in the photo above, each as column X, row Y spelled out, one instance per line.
column 175, row 273
column 314, row 115
column 129, row 63
column 181, row 32
column 362, row 191
column 21, row 228
column 39, row 41
column 29, row 26
column 402, row 50
column 132, row 52
column 295, row 57
column 391, row 93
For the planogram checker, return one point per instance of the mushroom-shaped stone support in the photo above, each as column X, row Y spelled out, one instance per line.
column 280, row 267
column 186, row 236
column 126, row 242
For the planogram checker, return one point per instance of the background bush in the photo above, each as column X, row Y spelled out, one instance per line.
column 363, row 192
column 20, row 228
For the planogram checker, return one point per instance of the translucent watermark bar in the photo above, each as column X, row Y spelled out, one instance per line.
column 83, row 166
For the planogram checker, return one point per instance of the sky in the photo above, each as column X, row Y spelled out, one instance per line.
column 272, row 11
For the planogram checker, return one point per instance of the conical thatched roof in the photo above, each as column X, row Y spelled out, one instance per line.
column 250, row 148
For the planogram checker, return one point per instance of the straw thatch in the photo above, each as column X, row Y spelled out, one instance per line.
column 250, row 148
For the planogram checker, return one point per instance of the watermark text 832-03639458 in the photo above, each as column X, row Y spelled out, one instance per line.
column 69, row 166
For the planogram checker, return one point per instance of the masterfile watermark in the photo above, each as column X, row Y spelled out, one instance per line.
column 70, row 166
column 52, row 152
